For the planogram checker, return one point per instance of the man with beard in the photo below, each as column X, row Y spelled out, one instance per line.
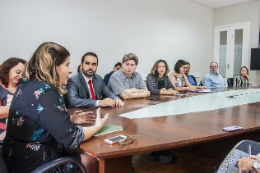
column 86, row 89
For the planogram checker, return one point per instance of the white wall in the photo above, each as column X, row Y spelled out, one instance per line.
column 152, row 29
column 244, row 12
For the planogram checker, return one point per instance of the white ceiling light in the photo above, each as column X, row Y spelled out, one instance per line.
column 220, row 3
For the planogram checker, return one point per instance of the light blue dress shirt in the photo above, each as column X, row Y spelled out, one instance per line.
column 211, row 80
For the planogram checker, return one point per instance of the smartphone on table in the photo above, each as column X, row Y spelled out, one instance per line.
column 114, row 140
column 154, row 99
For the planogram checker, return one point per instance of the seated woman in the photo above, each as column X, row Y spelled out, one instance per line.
column 179, row 79
column 10, row 73
column 243, row 79
column 38, row 122
column 158, row 81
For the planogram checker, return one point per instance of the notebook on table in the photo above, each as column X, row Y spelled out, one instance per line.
column 109, row 129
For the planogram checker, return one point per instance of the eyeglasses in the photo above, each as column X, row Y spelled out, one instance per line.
column 213, row 66
column 128, row 140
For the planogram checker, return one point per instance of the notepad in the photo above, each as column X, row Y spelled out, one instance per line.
column 109, row 129
column 232, row 128
column 202, row 91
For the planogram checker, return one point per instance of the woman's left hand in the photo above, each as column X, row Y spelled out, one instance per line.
column 80, row 117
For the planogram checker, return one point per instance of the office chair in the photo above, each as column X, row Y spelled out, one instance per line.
column 48, row 166
column 230, row 82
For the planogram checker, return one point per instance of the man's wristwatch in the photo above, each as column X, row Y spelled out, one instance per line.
column 256, row 166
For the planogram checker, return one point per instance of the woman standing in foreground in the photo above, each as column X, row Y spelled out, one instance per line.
column 38, row 123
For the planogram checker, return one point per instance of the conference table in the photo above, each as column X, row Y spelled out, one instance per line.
column 166, row 132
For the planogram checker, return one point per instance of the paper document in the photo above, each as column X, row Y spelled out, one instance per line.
column 202, row 91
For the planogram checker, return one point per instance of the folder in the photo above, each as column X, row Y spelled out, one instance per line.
column 109, row 129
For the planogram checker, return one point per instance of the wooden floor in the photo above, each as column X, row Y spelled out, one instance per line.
column 186, row 164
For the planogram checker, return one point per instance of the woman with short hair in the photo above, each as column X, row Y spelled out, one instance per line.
column 158, row 81
column 38, row 123
column 10, row 73
column 179, row 79
column 243, row 79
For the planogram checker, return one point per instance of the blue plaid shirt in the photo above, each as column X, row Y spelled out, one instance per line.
column 212, row 80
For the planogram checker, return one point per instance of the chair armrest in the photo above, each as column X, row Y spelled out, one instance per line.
column 58, row 162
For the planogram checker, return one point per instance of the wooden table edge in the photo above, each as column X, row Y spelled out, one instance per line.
column 173, row 145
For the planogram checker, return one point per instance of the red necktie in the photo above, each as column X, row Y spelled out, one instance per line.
column 91, row 90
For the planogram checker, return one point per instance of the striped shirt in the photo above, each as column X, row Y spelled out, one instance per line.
column 239, row 81
column 152, row 84
column 119, row 82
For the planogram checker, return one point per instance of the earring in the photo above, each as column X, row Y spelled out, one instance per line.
column 6, row 83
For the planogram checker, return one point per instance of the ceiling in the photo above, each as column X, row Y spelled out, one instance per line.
column 220, row 3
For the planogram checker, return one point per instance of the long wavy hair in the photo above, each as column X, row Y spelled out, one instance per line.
column 154, row 70
column 43, row 63
column 246, row 70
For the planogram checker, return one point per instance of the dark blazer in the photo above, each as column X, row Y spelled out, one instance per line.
column 152, row 84
column 78, row 92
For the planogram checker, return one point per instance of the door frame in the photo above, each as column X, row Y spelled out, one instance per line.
column 230, row 44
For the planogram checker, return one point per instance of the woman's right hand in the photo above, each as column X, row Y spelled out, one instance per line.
column 191, row 88
column 171, row 91
column 100, row 121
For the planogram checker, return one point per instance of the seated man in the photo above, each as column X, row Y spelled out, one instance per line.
column 126, row 82
column 86, row 88
column 213, row 79
column 118, row 66
column 191, row 78
column 237, row 160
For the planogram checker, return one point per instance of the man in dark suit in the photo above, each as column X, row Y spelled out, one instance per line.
column 86, row 89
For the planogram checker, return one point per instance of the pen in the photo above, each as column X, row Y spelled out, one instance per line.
column 249, row 153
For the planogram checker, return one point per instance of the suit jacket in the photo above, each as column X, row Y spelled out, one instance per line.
column 78, row 92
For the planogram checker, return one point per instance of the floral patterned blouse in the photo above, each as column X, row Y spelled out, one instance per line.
column 179, row 81
column 38, row 128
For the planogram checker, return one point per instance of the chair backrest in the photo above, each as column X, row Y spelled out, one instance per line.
column 48, row 166
column 194, row 79
column 58, row 162
column 230, row 82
